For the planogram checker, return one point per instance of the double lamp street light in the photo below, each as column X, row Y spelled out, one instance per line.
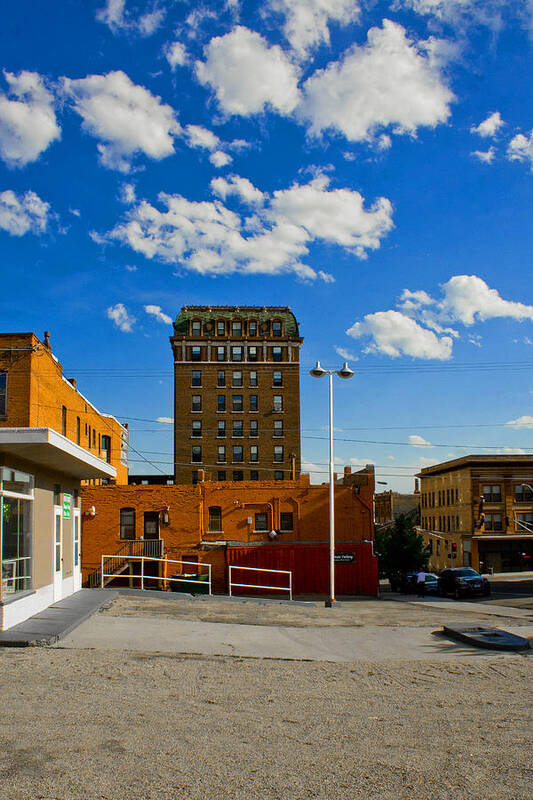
column 318, row 372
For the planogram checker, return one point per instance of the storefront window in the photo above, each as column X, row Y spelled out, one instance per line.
column 16, row 497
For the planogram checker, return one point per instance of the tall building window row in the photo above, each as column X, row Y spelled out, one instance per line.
column 236, row 328
column 236, row 353
column 237, row 378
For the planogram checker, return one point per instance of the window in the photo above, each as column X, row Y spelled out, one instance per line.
column 252, row 353
column 523, row 494
column 253, row 428
column 236, row 353
column 253, row 402
column 196, row 404
column 221, row 378
column 261, row 521
column 196, row 353
column 237, row 457
column 254, row 453
column 127, row 523
column 254, row 475
column 215, row 519
column 221, row 328
column 94, row 439
column 285, row 521
column 277, row 378
column 196, row 328
column 276, row 328
column 196, row 379
column 196, row 427
column 278, row 452
column 493, row 522
column 78, row 430
column 276, row 354
column 278, row 427
column 253, row 378
column 278, row 403
column 237, row 378
column 221, row 453
column 221, row 475
column 238, row 475
column 438, row 547
column 221, row 353
column 221, row 429
column 524, row 522
column 278, row 474
column 221, row 402
column 492, row 493
column 64, row 420
column 236, row 402
column 57, row 494
column 196, row 454
column 3, row 394
column 236, row 328
column 106, row 448
column 252, row 328
column 16, row 522
column 237, row 427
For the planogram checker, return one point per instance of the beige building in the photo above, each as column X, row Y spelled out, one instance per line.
column 237, row 393
column 485, row 503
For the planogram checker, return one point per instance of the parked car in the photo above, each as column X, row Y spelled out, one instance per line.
column 463, row 582
column 409, row 584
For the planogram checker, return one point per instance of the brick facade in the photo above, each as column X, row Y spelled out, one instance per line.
column 39, row 396
column 236, row 386
column 188, row 534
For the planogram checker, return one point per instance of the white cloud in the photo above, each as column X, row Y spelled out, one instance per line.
column 27, row 119
column 155, row 311
column 325, row 276
column 511, row 451
column 525, row 421
column 415, row 440
column 459, row 12
column 22, row 213
column 485, row 156
column 306, row 21
column 247, row 75
column 197, row 136
column 346, row 354
column 176, row 55
column 131, row 268
column 125, row 117
column 118, row 19
column 489, row 126
column 127, row 193
column 413, row 301
column 395, row 335
column 120, row 316
column 468, row 299
column 390, row 81
column 521, row 148
column 220, row 159
column 165, row 420
column 75, row 211
column 210, row 238
column 240, row 187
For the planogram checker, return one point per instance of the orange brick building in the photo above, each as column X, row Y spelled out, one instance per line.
column 35, row 394
column 286, row 522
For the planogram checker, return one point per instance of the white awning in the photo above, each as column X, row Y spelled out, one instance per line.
column 49, row 449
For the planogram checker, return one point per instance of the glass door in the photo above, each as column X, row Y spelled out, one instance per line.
column 58, row 552
column 76, row 550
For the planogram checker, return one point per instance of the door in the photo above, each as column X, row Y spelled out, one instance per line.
column 151, row 524
column 76, row 550
column 58, row 552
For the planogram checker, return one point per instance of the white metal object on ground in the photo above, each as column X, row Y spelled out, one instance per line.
column 144, row 577
column 259, row 585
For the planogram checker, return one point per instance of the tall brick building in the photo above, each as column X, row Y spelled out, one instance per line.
column 236, row 393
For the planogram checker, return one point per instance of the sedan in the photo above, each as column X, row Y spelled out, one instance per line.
column 463, row 582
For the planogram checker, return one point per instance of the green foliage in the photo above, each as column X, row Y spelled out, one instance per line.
column 401, row 549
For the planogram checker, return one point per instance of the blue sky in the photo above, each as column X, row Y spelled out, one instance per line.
column 367, row 163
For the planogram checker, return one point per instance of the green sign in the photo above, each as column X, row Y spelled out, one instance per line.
column 67, row 505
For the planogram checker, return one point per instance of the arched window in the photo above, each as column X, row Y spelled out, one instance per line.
column 215, row 518
column 127, row 523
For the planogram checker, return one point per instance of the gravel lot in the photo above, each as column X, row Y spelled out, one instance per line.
column 112, row 725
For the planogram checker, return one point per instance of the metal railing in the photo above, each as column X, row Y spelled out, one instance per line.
column 12, row 576
column 259, row 585
column 131, row 548
column 106, row 560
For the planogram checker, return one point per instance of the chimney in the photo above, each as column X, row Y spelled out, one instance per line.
column 73, row 381
column 47, row 340
column 347, row 471
column 417, row 486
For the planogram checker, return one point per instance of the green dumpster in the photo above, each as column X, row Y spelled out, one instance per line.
column 187, row 583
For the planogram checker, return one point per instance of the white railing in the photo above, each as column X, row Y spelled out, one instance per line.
column 144, row 577
column 10, row 574
column 260, row 585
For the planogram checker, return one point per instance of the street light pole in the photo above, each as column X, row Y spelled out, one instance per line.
column 319, row 372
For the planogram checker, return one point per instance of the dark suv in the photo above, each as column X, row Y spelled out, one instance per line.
column 463, row 582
